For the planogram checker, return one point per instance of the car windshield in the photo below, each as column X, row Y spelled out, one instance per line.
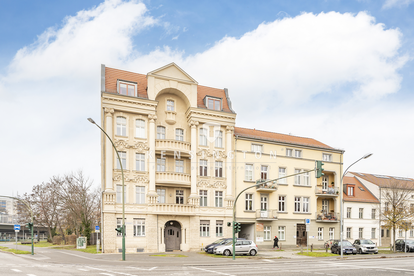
column 366, row 242
column 218, row 241
column 410, row 242
column 228, row 242
column 345, row 243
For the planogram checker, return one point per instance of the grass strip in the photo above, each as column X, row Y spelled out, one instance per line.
column 6, row 249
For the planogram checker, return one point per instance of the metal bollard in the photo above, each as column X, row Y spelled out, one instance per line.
column 311, row 247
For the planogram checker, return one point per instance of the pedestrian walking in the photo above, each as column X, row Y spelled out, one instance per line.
column 275, row 241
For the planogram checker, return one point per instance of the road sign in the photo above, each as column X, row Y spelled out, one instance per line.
column 307, row 221
column 17, row 227
column 97, row 227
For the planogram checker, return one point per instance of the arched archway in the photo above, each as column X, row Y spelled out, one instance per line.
column 172, row 235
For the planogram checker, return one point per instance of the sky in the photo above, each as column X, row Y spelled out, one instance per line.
column 341, row 72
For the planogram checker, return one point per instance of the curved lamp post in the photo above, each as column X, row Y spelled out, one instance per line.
column 342, row 200
column 123, row 194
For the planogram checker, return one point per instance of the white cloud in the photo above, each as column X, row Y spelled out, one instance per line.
column 323, row 76
column 396, row 3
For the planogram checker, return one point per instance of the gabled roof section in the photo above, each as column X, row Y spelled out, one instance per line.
column 203, row 91
column 361, row 193
column 173, row 71
column 384, row 181
column 112, row 75
column 278, row 137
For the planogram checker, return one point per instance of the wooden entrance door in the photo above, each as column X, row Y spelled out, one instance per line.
column 301, row 234
column 172, row 238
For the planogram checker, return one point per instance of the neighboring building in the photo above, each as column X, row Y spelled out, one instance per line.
column 361, row 212
column 7, row 210
column 378, row 185
column 266, row 212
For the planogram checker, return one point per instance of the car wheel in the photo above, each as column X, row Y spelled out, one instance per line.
column 360, row 251
column 375, row 252
column 226, row 252
column 253, row 252
column 353, row 253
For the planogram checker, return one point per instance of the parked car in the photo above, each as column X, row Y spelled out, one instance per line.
column 210, row 248
column 400, row 244
column 328, row 243
column 347, row 247
column 365, row 246
column 241, row 248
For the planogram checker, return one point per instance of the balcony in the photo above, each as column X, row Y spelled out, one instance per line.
column 172, row 146
column 266, row 214
column 328, row 192
column 266, row 187
column 327, row 217
column 182, row 179
column 173, row 209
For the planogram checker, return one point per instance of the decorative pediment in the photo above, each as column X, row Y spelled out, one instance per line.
column 173, row 71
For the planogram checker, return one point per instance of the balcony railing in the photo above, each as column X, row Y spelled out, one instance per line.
column 266, row 214
column 171, row 208
column 172, row 178
column 266, row 187
column 172, row 145
column 330, row 191
column 327, row 217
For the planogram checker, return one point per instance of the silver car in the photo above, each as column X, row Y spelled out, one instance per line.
column 241, row 248
column 365, row 246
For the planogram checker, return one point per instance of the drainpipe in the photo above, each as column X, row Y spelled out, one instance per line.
column 235, row 168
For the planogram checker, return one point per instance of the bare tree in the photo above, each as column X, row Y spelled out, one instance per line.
column 397, row 212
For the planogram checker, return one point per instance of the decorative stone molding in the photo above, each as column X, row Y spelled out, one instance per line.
column 152, row 118
column 134, row 178
column 140, row 104
column 140, row 146
column 208, row 184
column 204, row 152
column 193, row 123
column 204, row 114
column 219, row 154
column 140, row 179
column 230, row 128
column 109, row 111
column 121, row 144
column 170, row 117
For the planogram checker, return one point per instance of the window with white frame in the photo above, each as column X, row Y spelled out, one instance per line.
column 213, row 103
column 289, row 152
column 140, row 194
column 373, row 231
column 325, row 206
column 204, row 228
column 121, row 128
column 302, row 179
column 400, row 233
column 281, row 232
column 179, row 134
column 267, row 233
column 361, row 213
column 160, row 132
column 257, row 148
column 305, row 203
column 119, row 194
column 170, row 105
column 327, row 157
column 219, row 228
column 127, row 89
column 118, row 225
column 361, row 233
column 218, row 198
column 298, row 153
column 249, row 202
column 298, row 178
column 122, row 156
column 331, row 233
column 139, row 227
column 203, row 167
column 282, row 203
column 218, row 135
column 140, row 162
column 218, row 168
column 306, row 179
column 248, row 175
column 179, row 196
column 161, row 196
column 301, row 204
column 179, row 166
column 160, row 164
column 320, row 233
column 282, row 173
column 203, row 198
column 264, row 202
column 140, row 128
column 263, row 172
column 203, row 137
column 348, row 212
column 386, row 207
column 374, row 213
column 325, row 181
column 350, row 191
column 348, row 232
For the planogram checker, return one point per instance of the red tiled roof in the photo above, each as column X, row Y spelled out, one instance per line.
column 359, row 195
column 278, row 137
column 386, row 180
column 203, row 91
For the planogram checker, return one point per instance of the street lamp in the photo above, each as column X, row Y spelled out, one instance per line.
column 342, row 200
column 123, row 194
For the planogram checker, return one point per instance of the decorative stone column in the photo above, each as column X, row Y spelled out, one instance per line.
column 109, row 151
column 152, row 194
column 194, row 197
column 229, row 171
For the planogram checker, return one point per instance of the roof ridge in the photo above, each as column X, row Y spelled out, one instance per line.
column 278, row 133
column 210, row 87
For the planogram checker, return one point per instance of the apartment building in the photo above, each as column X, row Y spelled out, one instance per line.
column 361, row 211
column 281, row 210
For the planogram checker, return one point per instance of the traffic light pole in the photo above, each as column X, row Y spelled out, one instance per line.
column 258, row 182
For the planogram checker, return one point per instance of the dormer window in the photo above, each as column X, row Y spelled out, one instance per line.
column 127, row 88
column 212, row 103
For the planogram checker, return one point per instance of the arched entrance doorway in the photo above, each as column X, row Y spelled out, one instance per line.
column 172, row 235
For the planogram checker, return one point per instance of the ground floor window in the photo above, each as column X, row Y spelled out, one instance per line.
column 373, row 230
column 382, row 233
column 282, row 233
column 411, row 232
column 219, row 228
column 331, row 233
column 348, row 232
column 118, row 225
column 400, row 233
column 388, row 233
column 139, row 227
column 320, row 233
column 267, row 234
column 204, row 228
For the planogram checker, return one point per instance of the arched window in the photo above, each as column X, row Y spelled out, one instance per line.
column 160, row 132
column 140, row 128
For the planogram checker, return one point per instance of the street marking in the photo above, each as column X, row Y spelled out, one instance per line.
column 16, row 270
column 106, row 274
column 141, row 268
column 212, row 271
column 31, row 275
column 81, row 269
column 266, row 260
column 109, row 271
